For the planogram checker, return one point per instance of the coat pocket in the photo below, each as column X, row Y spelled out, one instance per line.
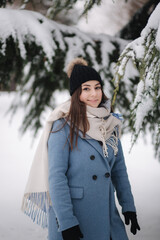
column 77, row 192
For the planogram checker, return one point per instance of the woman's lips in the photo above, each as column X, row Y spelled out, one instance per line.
column 93, row 100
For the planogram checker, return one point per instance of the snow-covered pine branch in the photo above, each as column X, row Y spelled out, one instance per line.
column 145, row 54
column 34, row 53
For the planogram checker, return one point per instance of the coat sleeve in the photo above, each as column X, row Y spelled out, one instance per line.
column 121, row 182
column 58, row 155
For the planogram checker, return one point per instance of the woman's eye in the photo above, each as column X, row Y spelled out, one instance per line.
column 85, row 89
column 97, row 88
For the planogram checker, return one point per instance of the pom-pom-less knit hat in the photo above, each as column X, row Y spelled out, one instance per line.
column 79, row 73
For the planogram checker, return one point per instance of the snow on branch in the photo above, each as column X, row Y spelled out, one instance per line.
column 34, row 53
column 145, row 55
column 26, row 26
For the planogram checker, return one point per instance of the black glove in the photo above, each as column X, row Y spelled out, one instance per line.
column 131, row 216
column 73, row 233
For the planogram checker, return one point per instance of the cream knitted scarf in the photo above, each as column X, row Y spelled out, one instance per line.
column 103, row 127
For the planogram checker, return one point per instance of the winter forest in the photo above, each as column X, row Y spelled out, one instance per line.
column 121, row 40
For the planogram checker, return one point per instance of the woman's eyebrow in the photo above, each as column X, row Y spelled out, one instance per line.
column 88, row 85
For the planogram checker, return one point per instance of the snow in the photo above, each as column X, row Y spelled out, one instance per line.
column 139, row 95
column 27, row 26
column 153, row 23
column 136, row 48
column 109, row 10
column 142, row 111
column 104, row 18
column 16, row 157
column 16, row 153
column 144, row 51
column 139, row 44
column 139, row 51
column 21, row 24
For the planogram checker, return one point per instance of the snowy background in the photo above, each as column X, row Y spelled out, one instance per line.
column 16, row 156
column 17, row 153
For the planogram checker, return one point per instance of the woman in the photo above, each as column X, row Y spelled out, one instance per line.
column 84, row 165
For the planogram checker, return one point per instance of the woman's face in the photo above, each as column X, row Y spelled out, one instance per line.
column 91, row 93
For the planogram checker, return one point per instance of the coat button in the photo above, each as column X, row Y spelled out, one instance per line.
column 92, row 157
column 94, row 177
column 107, row 174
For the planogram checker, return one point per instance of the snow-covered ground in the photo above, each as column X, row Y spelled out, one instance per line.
column 16, row 156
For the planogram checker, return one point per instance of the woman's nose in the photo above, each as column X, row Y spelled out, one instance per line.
column 93, row 92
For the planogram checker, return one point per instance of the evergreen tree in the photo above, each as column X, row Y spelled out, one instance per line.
column 144, row 109
column 37, row 64
column 34, row 53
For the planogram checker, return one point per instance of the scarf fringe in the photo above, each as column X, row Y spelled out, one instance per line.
column 112, row 141
column 36, row 205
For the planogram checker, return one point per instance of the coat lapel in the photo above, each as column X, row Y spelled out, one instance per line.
column 98, row 148
column 93, row 142
column 96, row 145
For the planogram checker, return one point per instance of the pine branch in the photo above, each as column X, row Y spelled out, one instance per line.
column 144, row 103
column 57, row 6
column 37, row 64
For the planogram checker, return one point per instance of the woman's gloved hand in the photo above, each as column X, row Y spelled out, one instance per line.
column 73, row 233
column 132, row 216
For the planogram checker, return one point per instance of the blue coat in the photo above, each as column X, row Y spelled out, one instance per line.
column 81, row 186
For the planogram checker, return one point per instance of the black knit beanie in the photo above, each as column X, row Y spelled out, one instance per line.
column 81, row 74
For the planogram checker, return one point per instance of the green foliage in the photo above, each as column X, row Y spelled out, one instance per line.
column 60, row 5
column 145, row 110
column 36, row 78
column 37, row 83
column 89, row 5
column 10, row 65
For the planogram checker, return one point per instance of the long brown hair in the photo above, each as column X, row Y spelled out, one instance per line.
column 78, row 116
